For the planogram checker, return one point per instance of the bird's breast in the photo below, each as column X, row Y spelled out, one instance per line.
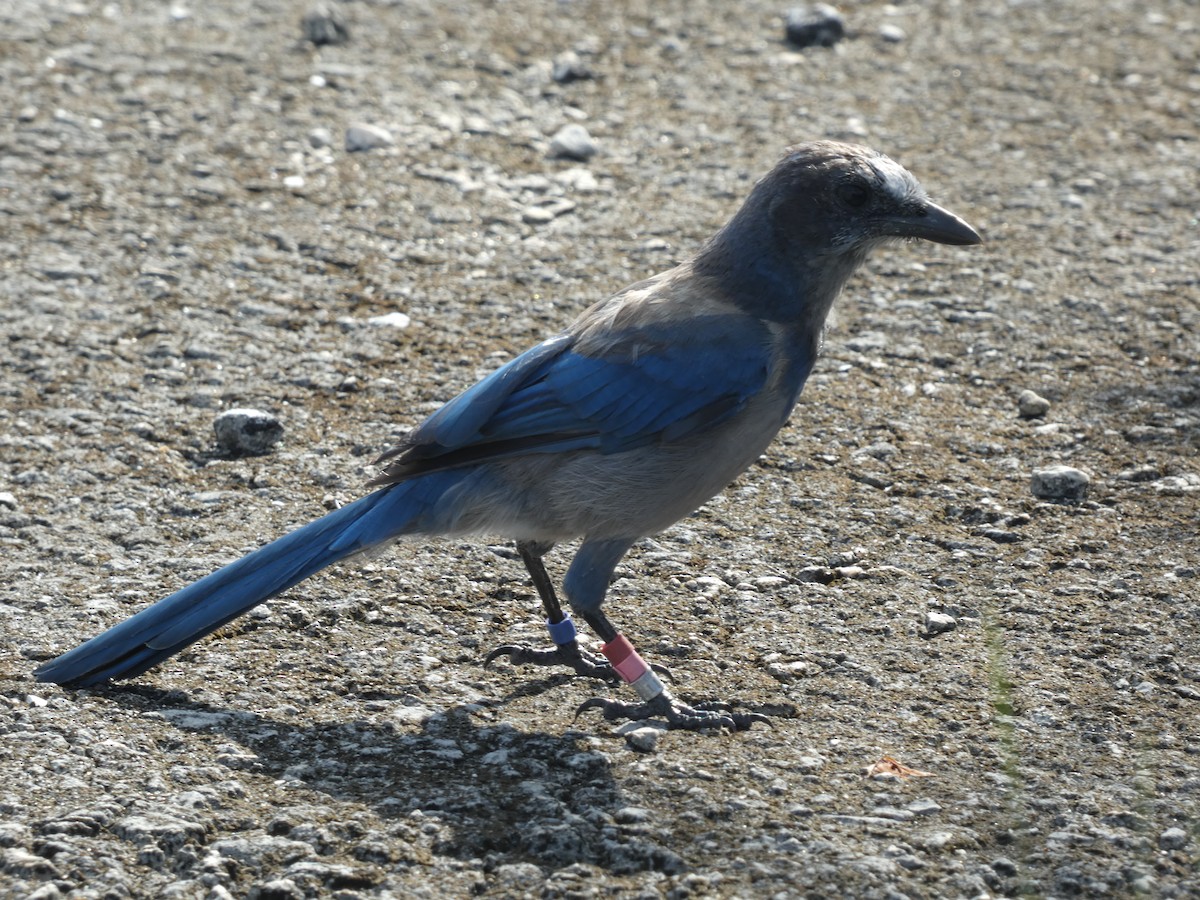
column 793, row 354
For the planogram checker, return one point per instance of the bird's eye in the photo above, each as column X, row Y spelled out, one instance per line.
column 854, row 194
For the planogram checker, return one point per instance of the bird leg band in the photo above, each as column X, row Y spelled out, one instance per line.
column 562, row 633
column 632, row 668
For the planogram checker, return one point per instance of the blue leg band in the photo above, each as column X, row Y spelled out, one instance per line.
column 563, row 632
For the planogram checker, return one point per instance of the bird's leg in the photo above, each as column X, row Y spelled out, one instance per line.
column 566, row 650
column 657, row 701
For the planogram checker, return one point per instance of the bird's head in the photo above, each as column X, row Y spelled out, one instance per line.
column 812, row 220
column 829, row 198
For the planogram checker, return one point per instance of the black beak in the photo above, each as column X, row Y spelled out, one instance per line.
column 932, row 223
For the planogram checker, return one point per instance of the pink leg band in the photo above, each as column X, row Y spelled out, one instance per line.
column 632, row 668
column 625, row 660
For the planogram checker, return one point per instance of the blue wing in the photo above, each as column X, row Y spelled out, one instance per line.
column 655, row 383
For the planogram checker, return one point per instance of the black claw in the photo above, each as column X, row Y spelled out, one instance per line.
column 603, row 704
column 512, row 651
column 663, row 671
column 570, row 656
column 678, row 715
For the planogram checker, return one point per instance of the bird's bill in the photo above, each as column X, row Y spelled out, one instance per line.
column 932, row 223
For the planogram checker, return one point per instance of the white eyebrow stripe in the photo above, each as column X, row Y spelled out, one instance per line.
column 895, row 179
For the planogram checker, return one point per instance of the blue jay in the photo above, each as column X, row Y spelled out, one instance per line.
column 645, row 407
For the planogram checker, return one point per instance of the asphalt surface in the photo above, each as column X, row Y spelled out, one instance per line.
column 183, row 232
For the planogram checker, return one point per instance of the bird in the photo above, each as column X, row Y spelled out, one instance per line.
column 629, row 419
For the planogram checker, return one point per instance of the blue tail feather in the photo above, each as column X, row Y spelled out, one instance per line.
column 159, row 631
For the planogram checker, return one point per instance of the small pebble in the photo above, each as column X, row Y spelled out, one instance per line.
column 1031, row 405
column 578, row 179
column 878, row 450
column 536, row 215
column 390, row 320
column 816, row 26
column 547, row 211
column 632, row 815
column 1175, row 485
column 1004, row 867
column 1059, row 483
column 362, row 136
column 893, row 34
column 569, row 67
column 939, row 623
column 643, row 738
column 924, row 807
column 809, row 762
column 324, row 24
column 572, row 142
column 1139, row 474
column 1142, row 883
column 847, row 557
column 1173, row 839
column 1000, row 535
column 319, row 138
column 519, row 876
column 7, row 498
column 247, row 431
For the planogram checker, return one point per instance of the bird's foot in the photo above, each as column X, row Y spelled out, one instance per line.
column 678, row 714
column 570, row 655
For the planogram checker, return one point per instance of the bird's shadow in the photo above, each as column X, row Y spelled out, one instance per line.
column 503, row 795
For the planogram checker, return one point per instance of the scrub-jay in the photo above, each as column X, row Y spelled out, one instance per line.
column 640, row 411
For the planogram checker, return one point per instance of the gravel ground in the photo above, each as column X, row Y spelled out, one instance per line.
column 184, row 232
